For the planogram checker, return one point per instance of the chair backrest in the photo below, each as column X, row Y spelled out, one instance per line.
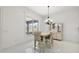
column 37, row 35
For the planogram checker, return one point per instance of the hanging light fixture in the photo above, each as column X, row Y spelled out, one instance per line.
column 48, row 20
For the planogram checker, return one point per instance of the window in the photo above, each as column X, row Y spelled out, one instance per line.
column 32, row 25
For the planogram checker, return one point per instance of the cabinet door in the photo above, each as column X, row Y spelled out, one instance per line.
column 59, row 36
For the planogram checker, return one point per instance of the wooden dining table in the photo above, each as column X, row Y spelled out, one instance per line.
column 46, row 39
column 43, row 35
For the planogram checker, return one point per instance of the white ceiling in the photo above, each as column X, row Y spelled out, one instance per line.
column 43, row 10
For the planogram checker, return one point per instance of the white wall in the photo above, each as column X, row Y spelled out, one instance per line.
column 43, row 26
column 0, row 25
column 13, row 26
column 29, row 13
column 70, row 20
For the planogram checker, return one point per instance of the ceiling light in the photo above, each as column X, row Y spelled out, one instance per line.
column 48, row 20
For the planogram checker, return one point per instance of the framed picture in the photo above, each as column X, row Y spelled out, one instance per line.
column 60, row 27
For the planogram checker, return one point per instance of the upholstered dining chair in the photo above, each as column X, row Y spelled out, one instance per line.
column 37, row 38
column 49, row 40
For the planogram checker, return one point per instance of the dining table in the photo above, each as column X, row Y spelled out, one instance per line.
column 44, row 35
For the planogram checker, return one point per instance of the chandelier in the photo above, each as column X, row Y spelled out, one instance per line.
column 48, row 20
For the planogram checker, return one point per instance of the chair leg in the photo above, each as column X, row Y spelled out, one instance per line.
column 35, row 45
column 52, row 42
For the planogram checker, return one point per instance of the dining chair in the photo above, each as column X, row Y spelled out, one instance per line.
column 49, row 40
column 37, row 38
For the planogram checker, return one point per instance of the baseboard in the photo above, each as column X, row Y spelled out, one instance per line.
column 72, row 41
column 58, row 39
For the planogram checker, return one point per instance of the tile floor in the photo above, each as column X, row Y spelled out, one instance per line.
column 58, row 47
